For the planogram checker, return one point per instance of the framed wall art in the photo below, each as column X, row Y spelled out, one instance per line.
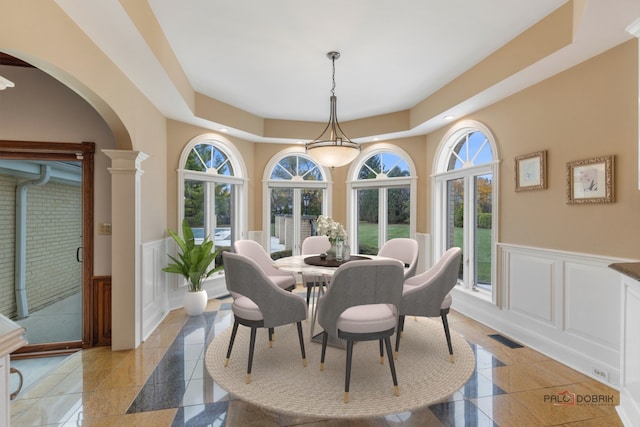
column 590, row 181
column 531, row 171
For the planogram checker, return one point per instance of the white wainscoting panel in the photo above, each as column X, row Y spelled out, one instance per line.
column 590, row 286
column 153, row 295
column 563, row 304
column 532, row 290
column 629, row 409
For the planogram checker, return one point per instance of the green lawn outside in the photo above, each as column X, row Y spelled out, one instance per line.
column 368, row 237
column 484, row 251
column 369, row 244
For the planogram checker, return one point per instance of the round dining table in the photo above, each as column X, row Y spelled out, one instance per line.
column 323, row 269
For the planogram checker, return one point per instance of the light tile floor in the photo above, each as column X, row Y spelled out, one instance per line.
column 164, row 383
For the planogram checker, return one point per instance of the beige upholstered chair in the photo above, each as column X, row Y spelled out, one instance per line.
column 403, row 249
column 314, row 245
column 427, row 294
column 259, row 303
column 252, row 249
column 361, row 305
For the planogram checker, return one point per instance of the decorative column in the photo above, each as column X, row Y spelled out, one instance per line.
column 126, row 311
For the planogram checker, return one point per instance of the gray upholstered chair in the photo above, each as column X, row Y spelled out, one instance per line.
column 259, row 303
column 404, row 250
column 427, row 294
column 314, row 245
column 362, row 305
column 252, row 249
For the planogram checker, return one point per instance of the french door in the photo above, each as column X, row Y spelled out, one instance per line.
column 469, row 224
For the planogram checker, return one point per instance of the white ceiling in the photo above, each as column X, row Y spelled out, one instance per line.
column 269, row 57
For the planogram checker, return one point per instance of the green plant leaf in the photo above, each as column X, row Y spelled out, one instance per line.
column 193, row 260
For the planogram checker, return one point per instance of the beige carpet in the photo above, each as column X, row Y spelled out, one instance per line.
column 281, row 384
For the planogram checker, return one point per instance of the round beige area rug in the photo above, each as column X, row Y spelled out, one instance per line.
column 281, row 384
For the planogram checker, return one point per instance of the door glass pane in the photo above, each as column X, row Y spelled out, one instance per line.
column 311, row 200
column 368, row 221
column 483, row 236
column 281, row 232
column 223, row 235
column 455, row 216
column 398, row 212
column 194, row 207
column 48, row 296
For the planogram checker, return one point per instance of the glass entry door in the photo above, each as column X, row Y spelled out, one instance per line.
column 47, row 265
column 48, row 254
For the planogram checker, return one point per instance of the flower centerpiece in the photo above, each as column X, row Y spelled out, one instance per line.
column 325, row 225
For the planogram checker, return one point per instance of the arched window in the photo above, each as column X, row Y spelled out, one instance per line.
column 295, row 193
column 211, row 190
column 465, row 201
column 382, row 198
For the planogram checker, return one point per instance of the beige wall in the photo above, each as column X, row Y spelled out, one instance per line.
column 43, row 35
column 588, row 111
column 39, row 108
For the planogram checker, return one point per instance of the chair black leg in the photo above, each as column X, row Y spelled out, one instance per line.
column 271, row 332
column 233, row 338
column 392, row 365
column 347, row 375
column 445, row 323
column 398, row 333
column 325, row 337
column 381, row 351
column 301, row 338
column 252, row 346
column 309, row 287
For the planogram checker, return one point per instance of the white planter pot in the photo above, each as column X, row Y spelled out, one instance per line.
column 195, row 302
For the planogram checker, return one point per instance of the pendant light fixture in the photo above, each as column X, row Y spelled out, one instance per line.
column 333, row 148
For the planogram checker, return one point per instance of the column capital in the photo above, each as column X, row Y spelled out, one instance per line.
column 125, row 160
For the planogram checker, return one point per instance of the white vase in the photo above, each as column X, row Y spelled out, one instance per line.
column 195, row 302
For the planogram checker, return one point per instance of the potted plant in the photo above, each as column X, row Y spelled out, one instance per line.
column 193, row 264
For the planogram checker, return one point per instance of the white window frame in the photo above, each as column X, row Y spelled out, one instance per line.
column 354, row 184
column 238, row 180
column 439, row 199
column 268, row 183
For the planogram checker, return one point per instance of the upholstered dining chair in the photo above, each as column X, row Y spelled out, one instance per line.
column 314, row 245
column 362, row 305
column 252, row 249
column 428, row 294
column 403, row 249
column 259, row 303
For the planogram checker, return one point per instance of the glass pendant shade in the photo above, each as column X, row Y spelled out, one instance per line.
column 333, row 156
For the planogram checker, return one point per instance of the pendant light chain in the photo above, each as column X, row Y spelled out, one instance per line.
column 333, row 76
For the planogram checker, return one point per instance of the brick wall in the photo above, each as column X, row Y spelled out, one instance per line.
column 54, row 227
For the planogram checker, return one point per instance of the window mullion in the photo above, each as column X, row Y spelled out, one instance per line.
column 383, row 217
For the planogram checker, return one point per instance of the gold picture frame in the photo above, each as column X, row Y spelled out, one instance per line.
column 590, row 180
column 531, row 171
